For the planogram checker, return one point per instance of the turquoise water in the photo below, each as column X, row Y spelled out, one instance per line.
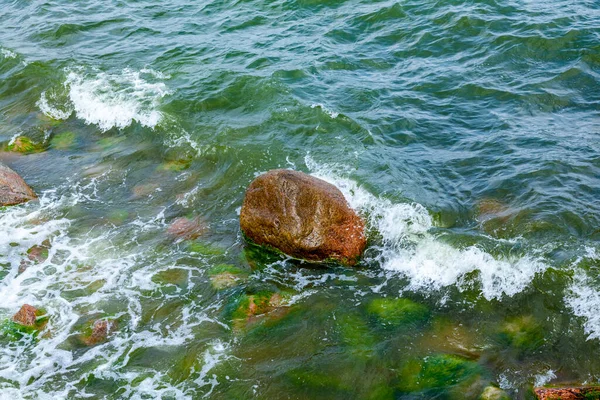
column 466, row 133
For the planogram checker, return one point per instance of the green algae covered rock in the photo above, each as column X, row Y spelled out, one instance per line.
column 98, row 331
column 356, row 335
column 28, row 321
column 437, row 371
column 247, row 309
column 493, row 393
column 24, row 145
column 63, row 140
column 523, row 333
column 396, row 312
column 223, row 276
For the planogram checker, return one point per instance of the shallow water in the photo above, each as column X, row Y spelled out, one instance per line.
column 466, row 133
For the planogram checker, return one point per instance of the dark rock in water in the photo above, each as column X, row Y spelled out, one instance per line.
column 13, row 189
column 27, row 316
column 187, row 229
column 568, row 393
column 35, row 255
column 99, row 332
column 302, row 216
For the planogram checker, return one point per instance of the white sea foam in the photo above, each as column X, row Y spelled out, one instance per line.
column 110, row 100
column 50, row 111
column 411, row 250
column 7, row 53
column 583, row 297
column 326, row 110
column 112, row 261
column 545, row 378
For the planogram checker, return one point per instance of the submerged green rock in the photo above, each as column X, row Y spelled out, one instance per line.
column 523, row 333
column 436, row 371
column 398, row 311
column 225, row 275
column 25, row 145
column 494, row 393
column 63, row 140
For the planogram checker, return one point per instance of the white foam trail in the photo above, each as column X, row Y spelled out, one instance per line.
column 212, row 357
column 110, row 100
column 584, row 299
column 50, row 111
column 411, row 250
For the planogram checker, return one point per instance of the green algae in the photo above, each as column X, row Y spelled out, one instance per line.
column 522, row 333
column 223, row 276
column 435, row 372
column 24, row 145
column 397, row 312
column 15, row 331
column 63, row 140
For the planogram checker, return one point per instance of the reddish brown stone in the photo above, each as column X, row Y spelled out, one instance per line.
column 100, row 331
column 188, row 229
column 13, row 189
column 302, row 216
column 570, row 393
column 35, row 255
column 26, row 316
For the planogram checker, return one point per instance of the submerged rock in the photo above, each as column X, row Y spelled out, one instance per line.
column 438, row 371
column 494, row 393
column 13, row 189
column 396, row 312
column 302, row 216
column 99, row 332
column 26, row 316
column 187, row 229
column 23, row 144
column 35, row 255
column 28, row 321
column 248, row 309
column 569, row 393
column 224, row 276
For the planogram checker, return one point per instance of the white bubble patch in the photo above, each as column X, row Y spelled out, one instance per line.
column 430, row 265
column 583, row 297
column 109, row 100
column 104, row 272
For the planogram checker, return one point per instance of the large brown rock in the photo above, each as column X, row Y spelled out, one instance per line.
column 568, row 393
column 302, row 216
column 13, row 189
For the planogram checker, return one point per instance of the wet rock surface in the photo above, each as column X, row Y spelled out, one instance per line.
column 27, row 316
column 302, row 216
column 186, row 228
column 568, row 393
column 13, row 189
column 99, row 332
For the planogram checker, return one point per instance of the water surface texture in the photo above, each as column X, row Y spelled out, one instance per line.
column 466, row 133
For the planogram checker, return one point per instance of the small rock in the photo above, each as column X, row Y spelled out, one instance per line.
column 23, row 144
column 27, row 316
column 13, row 189
column 570, row 393
column 35, row 255
column 186, row 229
column 100, row 331
column 302, row 216
column 493, row 393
